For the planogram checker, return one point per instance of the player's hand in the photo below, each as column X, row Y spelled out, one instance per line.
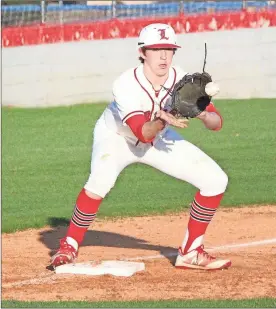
column 171, row 120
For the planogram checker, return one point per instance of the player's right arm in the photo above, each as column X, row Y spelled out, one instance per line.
column 152, row 128
column 129, row 109
column 143, row 129
column 146, row 131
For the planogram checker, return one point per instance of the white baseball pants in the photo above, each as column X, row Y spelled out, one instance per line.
column 171, row 154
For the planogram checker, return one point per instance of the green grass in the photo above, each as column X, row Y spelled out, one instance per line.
column 46, row 161
column 247, row 303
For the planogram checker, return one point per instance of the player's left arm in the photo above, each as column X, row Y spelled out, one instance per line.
column 211, row 118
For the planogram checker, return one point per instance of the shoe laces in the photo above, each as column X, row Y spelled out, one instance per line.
column 201, row 250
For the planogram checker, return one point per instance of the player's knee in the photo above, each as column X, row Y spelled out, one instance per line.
column 93, row 195
column 215, row 184
column 223, row 180
column 220, row 182
column 97, row 188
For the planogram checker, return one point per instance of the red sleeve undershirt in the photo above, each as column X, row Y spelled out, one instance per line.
column 136, row 123
column 211, row 108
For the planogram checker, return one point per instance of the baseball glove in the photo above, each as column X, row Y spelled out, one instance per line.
column 188, row 97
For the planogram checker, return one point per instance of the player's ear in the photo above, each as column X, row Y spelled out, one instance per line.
column 142, row 53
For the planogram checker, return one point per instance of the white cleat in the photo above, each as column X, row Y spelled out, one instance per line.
column 200, row 259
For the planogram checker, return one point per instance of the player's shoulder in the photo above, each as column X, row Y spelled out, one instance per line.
column 125, row 79
column 179, row 72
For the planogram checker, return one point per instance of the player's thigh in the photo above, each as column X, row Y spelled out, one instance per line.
column 180, row 159
column 110, row 155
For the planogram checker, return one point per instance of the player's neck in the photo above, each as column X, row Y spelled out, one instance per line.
column 155, row 80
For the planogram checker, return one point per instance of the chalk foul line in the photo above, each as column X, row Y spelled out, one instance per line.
column 214, row 249
column 50, row 278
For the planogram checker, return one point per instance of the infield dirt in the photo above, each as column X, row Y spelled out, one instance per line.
column 26, row 254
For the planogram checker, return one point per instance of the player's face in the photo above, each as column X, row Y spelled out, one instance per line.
column 159, row 60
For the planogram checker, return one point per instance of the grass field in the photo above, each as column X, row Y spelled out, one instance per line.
column 248, row 303
column 46, row 161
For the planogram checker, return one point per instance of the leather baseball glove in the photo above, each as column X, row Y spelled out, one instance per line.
column 189, row 97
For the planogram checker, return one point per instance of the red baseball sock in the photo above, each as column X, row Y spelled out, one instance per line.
column 202, row 211
column 84, row 214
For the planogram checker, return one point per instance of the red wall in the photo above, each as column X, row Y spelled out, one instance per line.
column 45, row 34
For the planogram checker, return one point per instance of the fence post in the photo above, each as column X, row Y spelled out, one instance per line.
column 181, row 7
column 60, row 2
column 43, row 11
column 113, row 9
column 244, row 4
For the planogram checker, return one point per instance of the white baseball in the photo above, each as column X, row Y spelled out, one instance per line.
column 212, row 89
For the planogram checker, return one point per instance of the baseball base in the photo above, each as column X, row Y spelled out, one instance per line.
column 115, row 268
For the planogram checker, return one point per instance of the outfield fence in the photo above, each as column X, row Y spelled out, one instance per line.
column 46, row 12
column 241, row 61
column 51, row 73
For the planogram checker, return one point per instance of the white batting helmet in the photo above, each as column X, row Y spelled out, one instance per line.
column 157, row 36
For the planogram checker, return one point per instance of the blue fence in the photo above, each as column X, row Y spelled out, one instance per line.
column 19, row 15
column 160, row 8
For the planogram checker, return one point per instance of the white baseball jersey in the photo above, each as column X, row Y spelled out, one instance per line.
column 115, row 146
column 134, row 95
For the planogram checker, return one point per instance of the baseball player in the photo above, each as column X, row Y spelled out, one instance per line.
column 136, row 127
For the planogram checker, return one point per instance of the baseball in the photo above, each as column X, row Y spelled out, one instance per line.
column 212, row 89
